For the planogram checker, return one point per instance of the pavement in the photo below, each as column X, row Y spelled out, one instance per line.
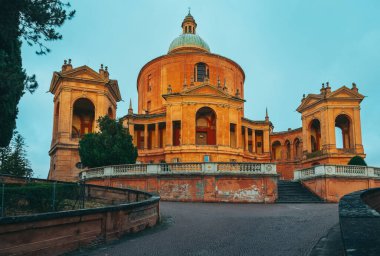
column 233, row 229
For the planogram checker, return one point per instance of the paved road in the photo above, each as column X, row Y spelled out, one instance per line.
column 230, row 229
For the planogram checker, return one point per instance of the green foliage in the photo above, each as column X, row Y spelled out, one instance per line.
column 111, row 146
column 357, row 160
column 41, row 197
column 13, row 159
column 35, row 22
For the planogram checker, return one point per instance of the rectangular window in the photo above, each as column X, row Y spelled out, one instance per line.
column 206, row 158
column 176, row 133
column 233, row 135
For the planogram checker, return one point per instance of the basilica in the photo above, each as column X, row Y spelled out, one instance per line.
column 191, row 109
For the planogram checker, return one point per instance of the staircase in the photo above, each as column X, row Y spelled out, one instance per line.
column 294, row 192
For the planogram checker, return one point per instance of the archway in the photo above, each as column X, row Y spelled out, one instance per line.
column 83, row 117
column 297, row 148
column 276, row 150
column 205, row 126
column 315, row 135
column 342, row 131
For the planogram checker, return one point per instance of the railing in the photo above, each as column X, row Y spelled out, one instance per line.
column 376, row 172
column 314, row 154
column 337, row 170
column 178, row 168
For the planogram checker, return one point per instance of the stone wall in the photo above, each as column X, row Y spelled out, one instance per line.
column 193, row 187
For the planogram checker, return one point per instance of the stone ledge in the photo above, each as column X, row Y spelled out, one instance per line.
column 360, row 225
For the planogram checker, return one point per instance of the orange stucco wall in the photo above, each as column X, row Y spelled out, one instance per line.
column 202, row 188
column 332, row 189
column 174, row 69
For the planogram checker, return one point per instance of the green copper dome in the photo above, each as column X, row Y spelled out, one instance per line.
column 189, row 41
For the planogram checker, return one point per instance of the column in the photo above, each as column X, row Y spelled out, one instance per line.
column 131, row 129
column 157, row 141
column 253, row 141
column 145, row 136
column 266, row 141
column 292, row 148
column 245, row 138
column 305, row 136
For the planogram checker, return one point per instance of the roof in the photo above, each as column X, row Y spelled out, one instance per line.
column 189, row 41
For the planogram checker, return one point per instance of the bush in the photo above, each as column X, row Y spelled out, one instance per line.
column 357, row 160
column 111, row 146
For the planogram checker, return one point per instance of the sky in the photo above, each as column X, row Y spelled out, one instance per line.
column 286, row 48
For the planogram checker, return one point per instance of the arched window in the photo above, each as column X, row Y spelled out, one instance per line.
column 83, row 117
column 276, row 150
column 201, row 71
column 287, row 146
column 315, row 135
column 297, row 149
column 205, row 126
column 342, row 131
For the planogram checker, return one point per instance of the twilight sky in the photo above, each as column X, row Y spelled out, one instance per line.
column 286, row 48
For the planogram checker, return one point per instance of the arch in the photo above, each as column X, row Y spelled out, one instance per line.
column 205, row 126
column 110, row 113
column 83, row 117
column 315, row 135
column 276, row 150
column 343, row 128
column 201, row 72
column 287, row 149
column 297, row 149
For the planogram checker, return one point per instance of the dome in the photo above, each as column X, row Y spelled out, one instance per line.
column 189, row 41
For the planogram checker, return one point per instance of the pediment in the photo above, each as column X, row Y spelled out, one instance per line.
column 345, row 93
column 205, row 89
column 308, row 101
column 82, row 72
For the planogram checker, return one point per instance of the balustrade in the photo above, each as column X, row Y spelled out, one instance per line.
column 172, row 168
column 337, row 170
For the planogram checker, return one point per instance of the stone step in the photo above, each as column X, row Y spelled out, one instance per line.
column 294, row 192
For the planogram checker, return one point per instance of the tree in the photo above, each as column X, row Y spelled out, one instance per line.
column 111, row 146
column 357, row 160
column 13, row 159
column 34, row 21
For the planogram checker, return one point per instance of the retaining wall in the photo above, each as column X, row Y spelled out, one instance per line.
column 332, row 189
column 198, row 187
column 59, row 232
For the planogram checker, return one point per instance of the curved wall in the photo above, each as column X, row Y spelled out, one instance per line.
column 173, row 69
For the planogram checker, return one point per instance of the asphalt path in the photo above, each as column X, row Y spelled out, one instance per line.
column 229, row 229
